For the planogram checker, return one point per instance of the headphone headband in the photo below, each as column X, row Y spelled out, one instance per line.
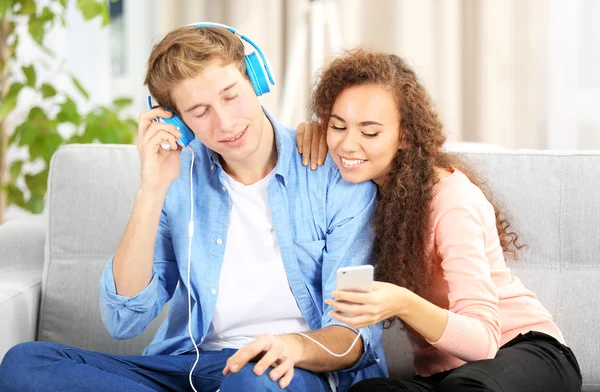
column 265, row 62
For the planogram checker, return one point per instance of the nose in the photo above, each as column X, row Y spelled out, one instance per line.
column 225, row 118
column 350, row 141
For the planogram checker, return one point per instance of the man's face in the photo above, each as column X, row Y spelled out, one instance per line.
column 220, row 106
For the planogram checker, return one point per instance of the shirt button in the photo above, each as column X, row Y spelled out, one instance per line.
column 212, row 168
column 213, row 291
column 378, row 360
column 219, row 241
column 224, row 189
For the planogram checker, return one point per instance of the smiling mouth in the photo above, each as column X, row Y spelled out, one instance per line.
column 351, row 162
column 236, row 137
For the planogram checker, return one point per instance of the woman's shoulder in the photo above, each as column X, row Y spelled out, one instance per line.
column 455, row 190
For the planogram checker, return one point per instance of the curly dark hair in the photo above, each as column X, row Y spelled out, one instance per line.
column 402, row 220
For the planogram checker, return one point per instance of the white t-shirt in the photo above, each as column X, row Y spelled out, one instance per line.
column 254, row 293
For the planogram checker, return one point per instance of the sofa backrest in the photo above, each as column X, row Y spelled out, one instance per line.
column 91, row 189
column 552, row 197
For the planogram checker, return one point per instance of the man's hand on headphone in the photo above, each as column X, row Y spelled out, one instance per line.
column 159, row 166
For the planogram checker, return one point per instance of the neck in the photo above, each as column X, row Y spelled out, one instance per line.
column 259, row 164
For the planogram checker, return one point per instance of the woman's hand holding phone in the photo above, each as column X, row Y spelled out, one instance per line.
column 362, row 309
column 160, row 167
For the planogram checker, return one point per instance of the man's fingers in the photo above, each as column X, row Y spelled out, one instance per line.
column 245, row 354
column 267, row 360
column 287, row 378
column 145, row 119
column 281, row 369
column 156, row 112
column 162, row 137
column 157, row 127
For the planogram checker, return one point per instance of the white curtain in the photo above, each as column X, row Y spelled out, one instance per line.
column 482, row 61
column 516, row 73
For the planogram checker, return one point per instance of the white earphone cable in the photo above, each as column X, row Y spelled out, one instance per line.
column 191, row 235
column 329, row 351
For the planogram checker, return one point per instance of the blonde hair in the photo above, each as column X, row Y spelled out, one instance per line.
column 184, row 53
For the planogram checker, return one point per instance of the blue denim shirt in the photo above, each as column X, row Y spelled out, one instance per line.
column 321, row 222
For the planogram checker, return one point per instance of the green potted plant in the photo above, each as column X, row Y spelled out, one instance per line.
column 38, row 130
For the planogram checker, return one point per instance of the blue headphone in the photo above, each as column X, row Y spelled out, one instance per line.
column 259, row 74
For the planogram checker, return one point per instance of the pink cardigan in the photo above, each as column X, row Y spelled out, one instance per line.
column 487, row 306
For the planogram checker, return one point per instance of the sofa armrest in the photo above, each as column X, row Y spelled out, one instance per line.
column 22, row 242
column 20, row 292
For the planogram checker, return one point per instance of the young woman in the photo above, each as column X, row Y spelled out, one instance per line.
column 440, row 241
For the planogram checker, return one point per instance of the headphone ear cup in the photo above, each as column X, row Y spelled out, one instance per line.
column 256, row 74
column 187, row 135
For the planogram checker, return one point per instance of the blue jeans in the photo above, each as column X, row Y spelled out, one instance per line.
column 41, row 366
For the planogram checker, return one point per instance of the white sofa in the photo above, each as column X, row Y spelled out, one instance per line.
column 50, row 264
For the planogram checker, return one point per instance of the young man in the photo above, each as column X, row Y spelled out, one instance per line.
column 268, row 237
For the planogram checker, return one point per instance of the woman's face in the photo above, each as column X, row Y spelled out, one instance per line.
column 364, row 133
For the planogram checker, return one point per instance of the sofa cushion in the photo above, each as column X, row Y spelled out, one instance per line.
column 90, row 196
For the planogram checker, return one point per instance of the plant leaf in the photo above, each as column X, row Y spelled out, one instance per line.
column 89, row 8
column 36, row 149
column 15, row 169
column 5, row 5
column 27, row 134
column 14, row 196
column 12, row 138
column 27, row 8
column 105, row 13
column 68, row 113
column 36, row 30
column 10, row 101
column 48, row 90
column 122, row 102
column 35, row 204
column 36, row 127
column 47, row 15
column 51, row 144
column 80, row 87
column 29, row 72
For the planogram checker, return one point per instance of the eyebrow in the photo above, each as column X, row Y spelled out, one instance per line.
column 362, row 123
column 224, row 89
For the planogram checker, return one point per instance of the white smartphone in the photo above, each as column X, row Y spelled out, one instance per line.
column 358, row 278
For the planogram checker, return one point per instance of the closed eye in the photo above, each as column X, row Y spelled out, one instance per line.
column 231, row 98
column 337, row 128
column 370, row 134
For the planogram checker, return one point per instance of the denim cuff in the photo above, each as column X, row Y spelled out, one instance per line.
column 141, row 302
